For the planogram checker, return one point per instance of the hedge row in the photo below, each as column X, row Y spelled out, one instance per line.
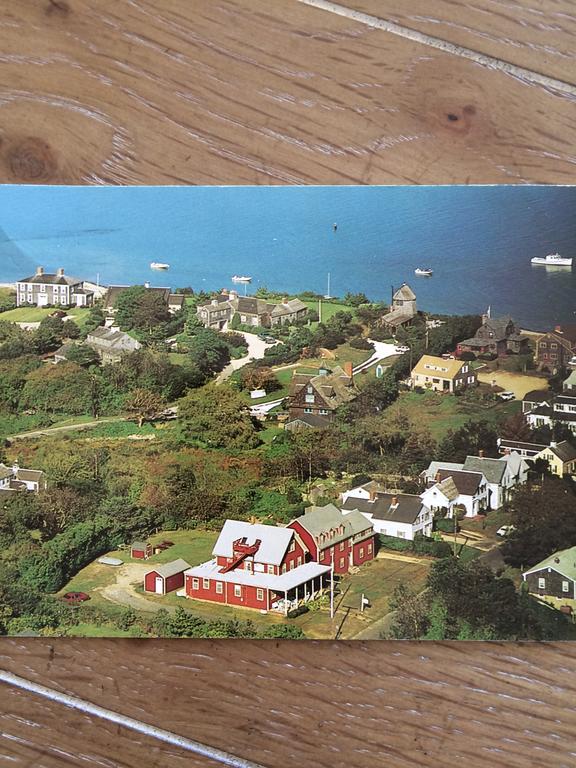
column 421, row 545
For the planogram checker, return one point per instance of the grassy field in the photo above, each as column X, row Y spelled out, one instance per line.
column 95, row 630
column 440, row 412
column 329, row 308
column 36, row 314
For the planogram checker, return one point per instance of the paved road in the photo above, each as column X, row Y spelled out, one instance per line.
column 256, row 349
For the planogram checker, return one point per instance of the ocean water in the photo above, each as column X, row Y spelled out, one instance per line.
column 478, row 240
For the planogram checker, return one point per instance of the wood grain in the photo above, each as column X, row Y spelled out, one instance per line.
column 539, row 35
column 333, row 705
column 247, row 91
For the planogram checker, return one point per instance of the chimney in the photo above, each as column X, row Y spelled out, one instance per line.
column 146, row 284
column 558, row 329
column 349, row 369
column 394, row 502
column 60, row 272
column 553, row 444
column 214, row 302
column 233, row 295
column 481, row 453
column 39, row 271
column 372, row 494
column 437, row 477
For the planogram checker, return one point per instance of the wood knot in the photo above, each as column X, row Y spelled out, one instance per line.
column 31, row 160
column 60, row 7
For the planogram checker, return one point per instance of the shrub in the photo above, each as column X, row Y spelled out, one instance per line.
column 360, row 343
column 392, row 542
column 297, row 611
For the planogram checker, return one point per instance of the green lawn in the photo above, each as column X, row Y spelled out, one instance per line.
column 329, row 308
column 96, row 630
column 36, row 314
column 441, row 412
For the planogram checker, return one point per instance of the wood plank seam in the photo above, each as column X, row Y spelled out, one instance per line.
column 491, row 62
column 74, row 702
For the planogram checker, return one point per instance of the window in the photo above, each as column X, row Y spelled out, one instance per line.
column 284, row 568
column 565, row 586
column 309, row 398
column 324, row 411
column 361, row 551
column 341, row 546
column 341, row 562
column 248, row 565
column 369, row 548
column 401, row 534
column 237, row 590
column 195, row 583
column 292, row 546
column 543, row 345
column 553, row 346
column 292, row 565
column 299, row 560
column 309, row 389
column 260, row 594
column 219, row 588
column 308, row 410
column 270, row 569
column 205, row 583
column 541, row 583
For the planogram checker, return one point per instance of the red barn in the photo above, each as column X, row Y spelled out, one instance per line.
column 141, row 550
column 332, row 537
column 165, row 578
column 257, row 566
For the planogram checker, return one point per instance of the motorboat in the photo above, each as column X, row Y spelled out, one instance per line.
column 553, row 260
column 241, row 279
column 424, row 272
column 159, row 265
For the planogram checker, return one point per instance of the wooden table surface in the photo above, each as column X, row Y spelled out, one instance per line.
column 282, row 92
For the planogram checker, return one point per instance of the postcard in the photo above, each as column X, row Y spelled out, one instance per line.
column 288, row 412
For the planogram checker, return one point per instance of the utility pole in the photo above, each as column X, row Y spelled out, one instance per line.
column 332, row 587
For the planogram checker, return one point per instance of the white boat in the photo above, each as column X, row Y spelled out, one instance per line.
column 553, row 260
column 159, row 265
column 427, row 272
column 241, row 279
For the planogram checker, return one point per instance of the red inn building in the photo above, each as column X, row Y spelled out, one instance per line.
column 264, row 567
column 332, row 537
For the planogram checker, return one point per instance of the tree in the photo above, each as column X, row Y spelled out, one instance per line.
column 544, row 521
column 208, row 351
column 144, row 404
column 62, row 388
column 411, row 613
column 261, row 377
column 82, row 354
column 517, row 428
column 218, row 417
column 140, row 308
column 95, row 319
column 470, row 439
column 13, row 375
column 49, row 334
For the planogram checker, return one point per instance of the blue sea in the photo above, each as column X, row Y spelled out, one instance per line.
column 478, row 240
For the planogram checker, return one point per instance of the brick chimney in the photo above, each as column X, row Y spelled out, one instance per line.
column 349, row 369
column 481, row 453
column 39, row 271
column 558, row 329
column 394, row 502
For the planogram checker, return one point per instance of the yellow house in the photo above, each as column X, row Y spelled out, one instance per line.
column 561, row 458
column 442, row 375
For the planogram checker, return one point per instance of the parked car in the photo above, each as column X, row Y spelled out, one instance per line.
column 572, row 362
column 76, row 597
column 507, row 396
column 505, row 530
column 401, row 350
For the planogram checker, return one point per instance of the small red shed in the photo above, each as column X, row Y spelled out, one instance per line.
column 165, row 578
column 141, row 550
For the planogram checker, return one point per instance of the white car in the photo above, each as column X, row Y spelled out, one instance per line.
column 572, row 362
column 505, row 530
column 401, row 350
column 507, row 396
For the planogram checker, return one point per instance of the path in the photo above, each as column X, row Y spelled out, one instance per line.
column 65, row 428
column 256, row 350
column 382, row 350
column 123, row 591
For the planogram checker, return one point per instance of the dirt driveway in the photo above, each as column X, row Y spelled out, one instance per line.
column 518, row 383
column 123, row 591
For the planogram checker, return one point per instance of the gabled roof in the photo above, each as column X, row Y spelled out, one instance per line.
column 448, row 488
column 51, row 279
column 312, row 420
column 567, row 332
column 287, row 307
column 492, row 469
column 322, row 520
column 170, row 569
column 428, row 365
column 5, row 471
column 434, row 466
column 404, row 293
column 563, row 561
column 519, row 445
column 274, row 541
column 281, row 583
column 565, row 451
column 571, row 380
column 115, row 290
column 467, row 483
column 139, row 544
column 336, row 387
column 536, row 396
column 406, row 509
column 31, row 475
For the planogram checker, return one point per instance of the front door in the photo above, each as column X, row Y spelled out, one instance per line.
column 159, row 585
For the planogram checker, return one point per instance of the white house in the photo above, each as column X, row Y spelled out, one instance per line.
column 45, row 289
column 402, row 515
column 15, row 478
column 453, row 488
